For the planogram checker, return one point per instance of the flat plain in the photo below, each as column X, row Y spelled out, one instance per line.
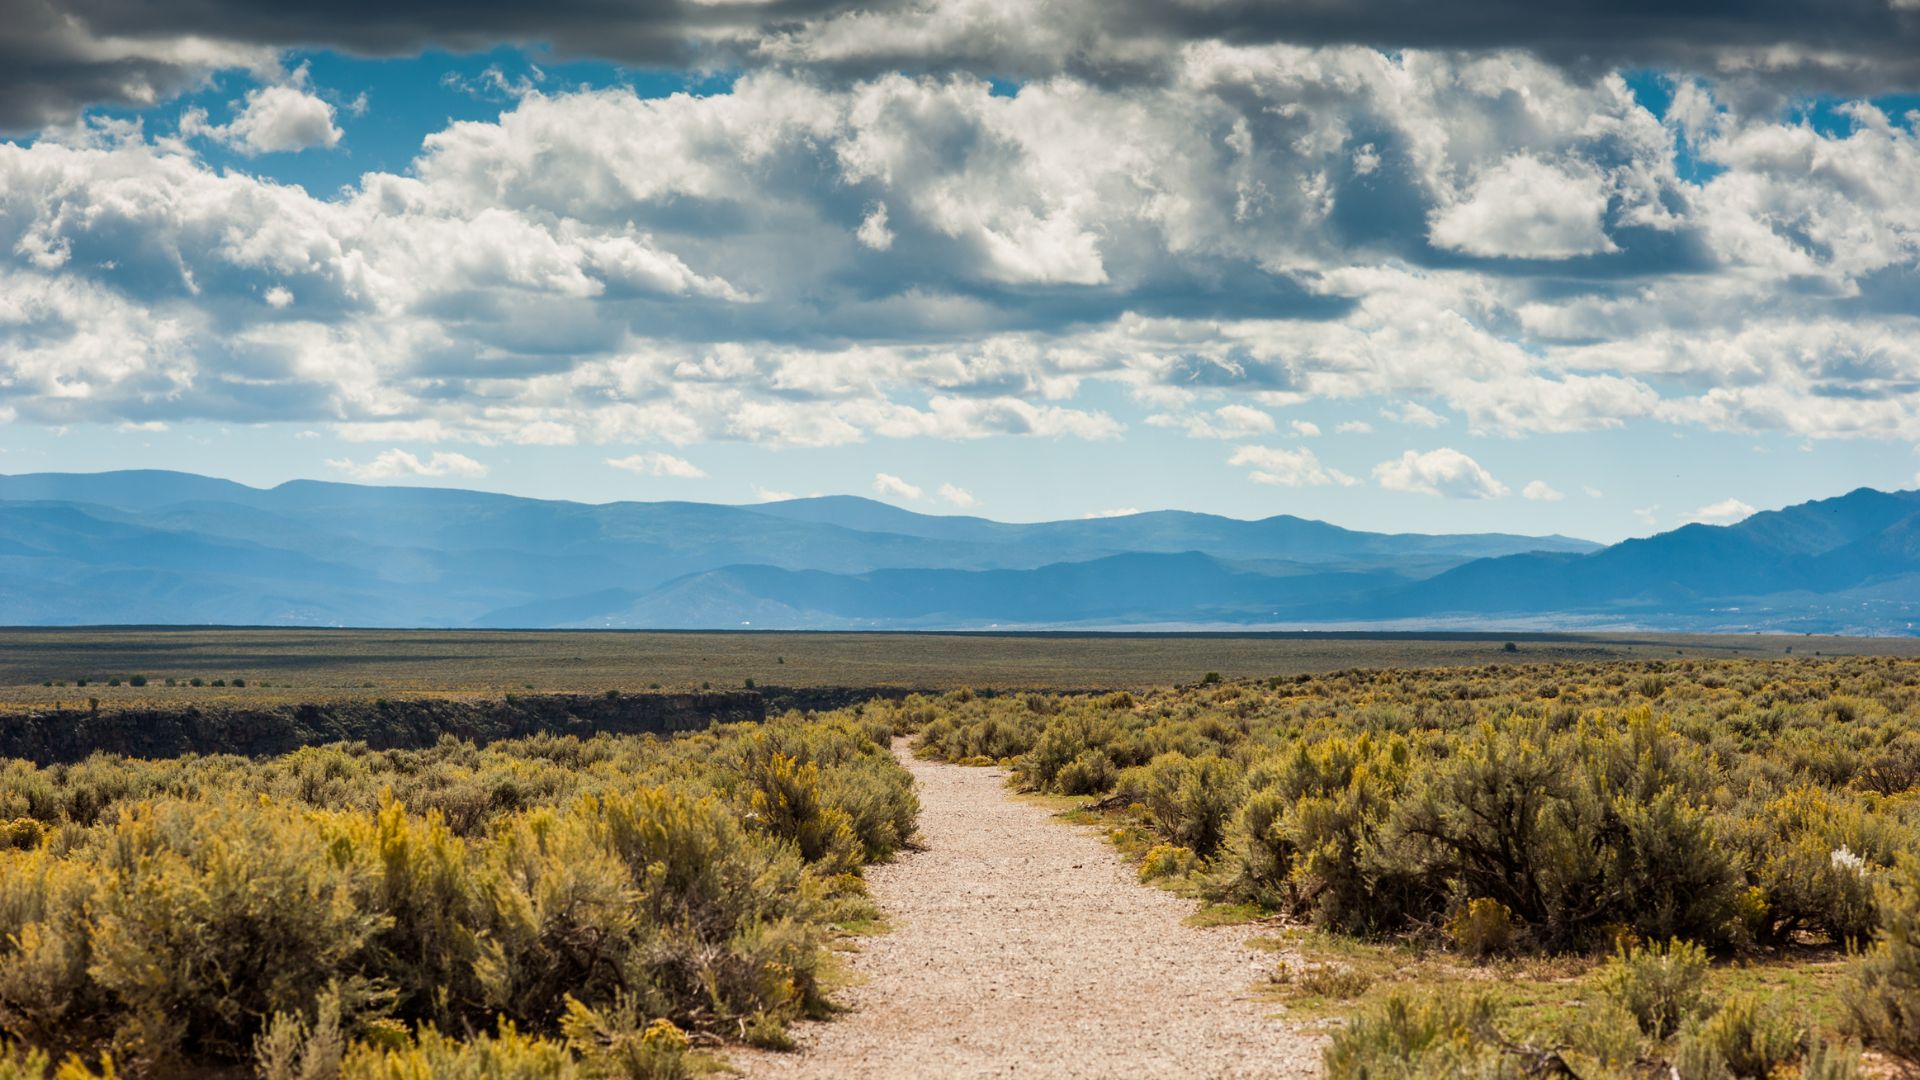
column 309, row 664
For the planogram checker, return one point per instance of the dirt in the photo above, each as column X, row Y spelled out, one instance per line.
column 1021, row 946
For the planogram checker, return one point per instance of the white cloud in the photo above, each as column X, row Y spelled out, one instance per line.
column 658, row 464
column 1445, row 471
column 149, row 426
column 1225, row 422
column 1287, row 468
column 1593, row 492
column 1306, row 429
column 1413, row 414
column 1118, row 511
column 1353, row 427
column 958, row 496
column 273, row 119
column 396, row 464
column 538, row 277
column 1725, row 512
column 889, row 484
column 1648, row 515
column 1527, row 208
column 763, row 494
column 873, row 229
column 1542, row 491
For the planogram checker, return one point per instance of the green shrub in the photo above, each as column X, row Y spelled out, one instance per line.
column 1605, row 1038
column 197, row 912
column 1883, row 995
column 1745, row 1038
column 1408, row 1038
column 1659, row 985
column 505, row 1055
column 1073, row 740
column 1091, row 773
column 1330, row 981
column 1167, row 861
column 1483, row 928
column 1815, row 852
column 1190, row 800
column 1575, row 831
column 1308, row 837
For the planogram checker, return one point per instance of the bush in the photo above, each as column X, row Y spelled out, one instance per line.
column 1483, row 928
column 1660, row 986
column 1090, row 773
column 1574, row 831
column 194, row 913
column 1167, row 861
column 1883, row 996
column 1069, row 756
column 1745, row 1038
column 1329, row 981
column 1190, row 800
column 1417, row 1038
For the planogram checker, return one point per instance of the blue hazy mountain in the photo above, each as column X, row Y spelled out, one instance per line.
column 165, row 547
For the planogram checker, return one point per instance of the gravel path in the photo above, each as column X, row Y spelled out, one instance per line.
column 1023, row 947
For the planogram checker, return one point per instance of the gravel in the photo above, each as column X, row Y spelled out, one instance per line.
column 1024, row 947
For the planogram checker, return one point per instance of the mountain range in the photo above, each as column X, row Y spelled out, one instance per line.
column 151, row 547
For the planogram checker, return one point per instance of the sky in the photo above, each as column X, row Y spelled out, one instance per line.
column 1597, row 269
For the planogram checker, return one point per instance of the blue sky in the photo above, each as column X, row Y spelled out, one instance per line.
column 1388, row 284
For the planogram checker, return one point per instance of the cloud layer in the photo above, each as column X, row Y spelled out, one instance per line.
column 1486, row 234
column 57, row 56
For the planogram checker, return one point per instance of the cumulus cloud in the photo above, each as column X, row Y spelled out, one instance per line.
column 397, row 464
column 1541, row 491
column 763, row 494
column 658, row 464
column 1527, row 208
column 1725, row 512
column 1306, row 429
column 1353, row 427
column 1444, row 471
column 822, row 256
column 958, row 496
column 1118, row 511
column 281, row 118
column 1287, row 468
column 889, row 484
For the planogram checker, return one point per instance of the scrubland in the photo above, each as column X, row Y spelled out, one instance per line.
column 1692, row 868
column 543, row 907
column 1687, row 867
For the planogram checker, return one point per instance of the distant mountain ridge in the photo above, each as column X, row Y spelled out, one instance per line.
column 167, row 547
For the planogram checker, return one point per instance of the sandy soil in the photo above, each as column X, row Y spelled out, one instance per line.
column 1024, row 947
